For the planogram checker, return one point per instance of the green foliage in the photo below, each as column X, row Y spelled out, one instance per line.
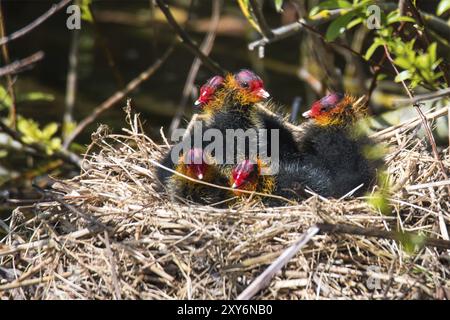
column 354, row 14
column 419, row 67
column 32, row 134
column 339, row 25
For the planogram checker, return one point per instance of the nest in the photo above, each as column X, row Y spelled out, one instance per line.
column 108, row 234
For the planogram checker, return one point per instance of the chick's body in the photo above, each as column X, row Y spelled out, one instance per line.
column 331, row 148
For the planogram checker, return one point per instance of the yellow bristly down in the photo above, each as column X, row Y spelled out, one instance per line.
column 345, row 113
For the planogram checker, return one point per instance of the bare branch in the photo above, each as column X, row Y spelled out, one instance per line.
column 187, row 41
column 5, row 55
column 133, row 84
column 425, row 97
column 19, row 33
column 206, row 48
column 265, row 29
column 20, row 65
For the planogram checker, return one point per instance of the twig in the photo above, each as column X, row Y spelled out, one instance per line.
column 264, row 27
column 425, row 97
column 187, row 41
column 20, row 65
column 107, row 51
column 206, row 48
column 19, row 33
column 31, row 282
column 293, row 28
column 49, row 243
column 112, row 262
column 421, row 115
column 5, row 55
column 393, row 130
column 133, row 84
column 263, row 280
column 64, row 155
column 372, row 232
column 71, row 85
column 428, row 185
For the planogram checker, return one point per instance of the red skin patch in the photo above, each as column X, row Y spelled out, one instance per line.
column 324, row 105
column 208, row 90
column 252, row 83
column 195, row 164
column 243, row 173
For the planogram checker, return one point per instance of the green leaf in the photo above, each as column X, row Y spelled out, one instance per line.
column 338, row 26
column 335, row 4
column 402, row 76
column 354, row 23
column 443, row 6
column 279, row 5
column 5, row 99
column 372, row 49
column 49, row 130
column 394, row 19
column 86, row 13
column 432, row 51
column 35, row 96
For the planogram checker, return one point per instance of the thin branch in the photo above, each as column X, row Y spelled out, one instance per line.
column 425, row 97
column 296, row 27
column 19, row 33
column 187, row 41
column 257, row 10
column 107, row 51
column 20, row 65
column 377, row 233
column 206, row 48
column 5, row 55
column 71, row 84
column 111, row 101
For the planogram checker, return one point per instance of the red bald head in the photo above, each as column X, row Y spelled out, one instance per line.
column 195, row 164
column 251, row 83
column 208, row 90
column 244, row 174
column 324, row 106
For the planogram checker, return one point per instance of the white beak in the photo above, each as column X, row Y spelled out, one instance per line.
column 234, row 186
column 306, row 114
column 197, row 103
column 200, row 176
column 263, row 93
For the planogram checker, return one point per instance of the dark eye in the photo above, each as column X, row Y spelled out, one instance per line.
column 245, row 84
